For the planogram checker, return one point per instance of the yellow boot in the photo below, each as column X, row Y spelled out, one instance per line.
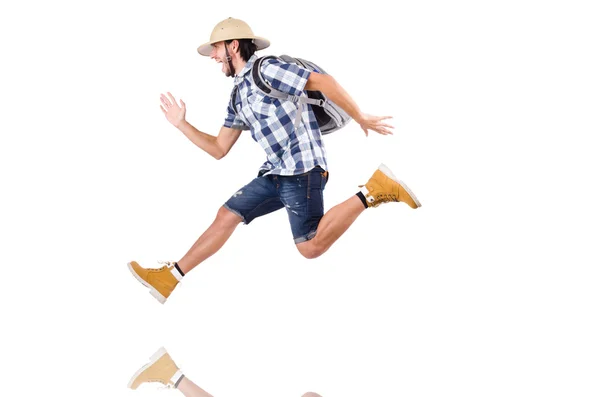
column 161, row 368
column 160, row 281
column 384, row 187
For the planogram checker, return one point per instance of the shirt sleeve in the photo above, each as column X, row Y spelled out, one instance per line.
column 233, row 120
column 286, row 77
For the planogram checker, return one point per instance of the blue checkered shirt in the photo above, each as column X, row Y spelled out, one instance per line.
column 290, row 151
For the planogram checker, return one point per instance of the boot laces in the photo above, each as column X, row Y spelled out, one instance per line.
column 381, row 198
column 167, row 264
column 385, row 198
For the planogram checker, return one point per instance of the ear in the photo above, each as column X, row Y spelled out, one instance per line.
column 235, row 45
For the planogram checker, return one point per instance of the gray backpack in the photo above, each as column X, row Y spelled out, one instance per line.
column 330, row 116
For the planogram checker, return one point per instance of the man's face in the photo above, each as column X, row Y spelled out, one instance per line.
column 218, row 54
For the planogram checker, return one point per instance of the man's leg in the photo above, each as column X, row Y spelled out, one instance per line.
column 331, row 227
column 382, row 187
column 161, row 282
column 257, row 198
column 211, row 240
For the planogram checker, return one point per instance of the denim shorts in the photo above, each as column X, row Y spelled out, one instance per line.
column 301, row 195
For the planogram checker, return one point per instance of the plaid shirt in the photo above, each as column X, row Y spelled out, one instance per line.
column 271, row 121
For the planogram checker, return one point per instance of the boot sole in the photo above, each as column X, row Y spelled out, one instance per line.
column 154, row 358
column 153, row 291
column 383, row 168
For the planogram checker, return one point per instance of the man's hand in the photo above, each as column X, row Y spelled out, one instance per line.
column 174, row 112
column 368, row 122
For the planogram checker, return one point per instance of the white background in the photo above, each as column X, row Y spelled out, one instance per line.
column 489, row 289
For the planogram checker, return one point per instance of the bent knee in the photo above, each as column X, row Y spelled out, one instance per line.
column 227, row 217
column 309, row 249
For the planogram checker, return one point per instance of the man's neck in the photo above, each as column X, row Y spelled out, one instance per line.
column 238, row 65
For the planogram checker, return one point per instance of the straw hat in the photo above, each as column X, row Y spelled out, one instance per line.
column 231, row 29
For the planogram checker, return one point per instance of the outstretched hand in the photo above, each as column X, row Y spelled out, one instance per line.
column 375, row 123
column 175, row 113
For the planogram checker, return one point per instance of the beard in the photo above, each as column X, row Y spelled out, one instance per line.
column 225, row 69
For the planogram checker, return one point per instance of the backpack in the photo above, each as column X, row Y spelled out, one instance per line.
column 330, row 116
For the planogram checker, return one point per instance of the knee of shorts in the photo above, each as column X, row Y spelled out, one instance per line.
column 227, row 217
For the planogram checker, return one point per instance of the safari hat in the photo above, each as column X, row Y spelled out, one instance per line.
column 231, row 29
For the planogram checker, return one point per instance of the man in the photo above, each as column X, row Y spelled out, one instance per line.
column 162, row 369
column 295, row 172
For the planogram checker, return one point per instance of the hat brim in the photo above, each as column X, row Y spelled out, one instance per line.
column 261, row 44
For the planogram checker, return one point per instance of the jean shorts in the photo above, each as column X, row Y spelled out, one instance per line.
column 301, row 195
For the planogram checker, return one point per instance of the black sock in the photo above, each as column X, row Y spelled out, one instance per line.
column 179, row 270
column 363, row 199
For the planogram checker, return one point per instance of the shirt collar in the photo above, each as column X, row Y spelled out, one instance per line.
column 240, row 76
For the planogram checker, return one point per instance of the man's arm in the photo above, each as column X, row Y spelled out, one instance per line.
column 216, row 146
column 334, row 91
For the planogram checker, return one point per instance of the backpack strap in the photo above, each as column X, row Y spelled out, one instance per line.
column 266, row 89
column 233, row 98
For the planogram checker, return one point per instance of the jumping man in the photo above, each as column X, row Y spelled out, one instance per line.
column 295, row 171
